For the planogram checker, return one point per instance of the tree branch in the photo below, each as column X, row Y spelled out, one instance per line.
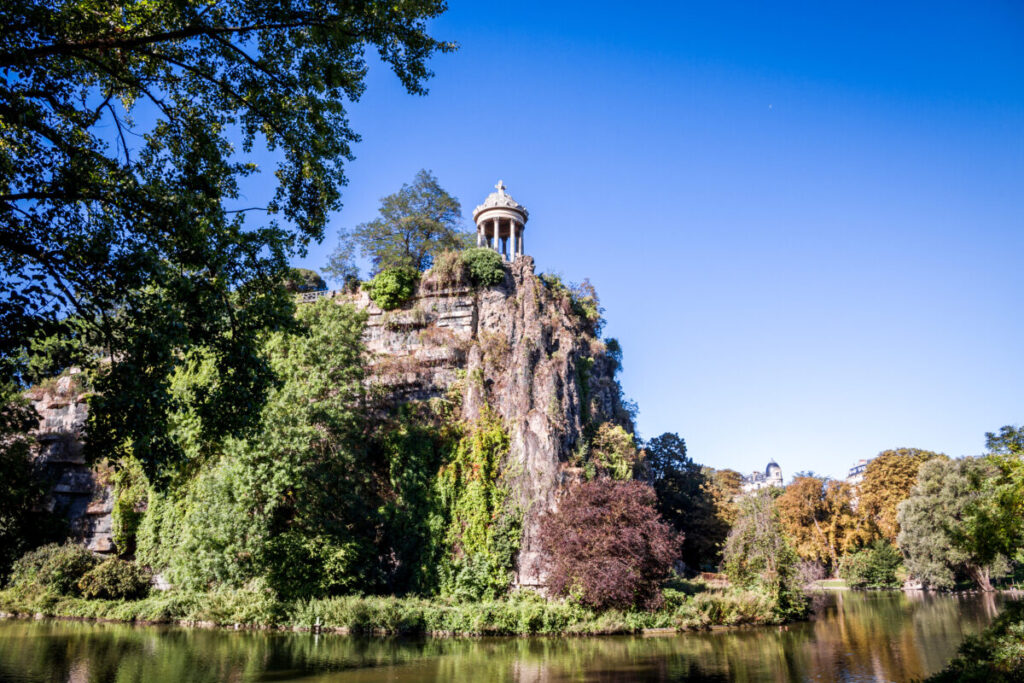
column 15, row 57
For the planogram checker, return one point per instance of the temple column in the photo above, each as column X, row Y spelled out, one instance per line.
column 479, row 237
column 521, row 252
column 495, row 244
column 512, row 240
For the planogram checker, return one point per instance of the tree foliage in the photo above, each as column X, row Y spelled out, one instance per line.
column 123, row 242
column 758, row 554
column 24, row 523
column 294, row 504
column 936, row 533
column 888, row 479
column 393, row 287
column 999, row 514
column 303, row 280
column 608, row 546
column 818, row 518
column 416, row 224
column 875, row 566
column 685, row 500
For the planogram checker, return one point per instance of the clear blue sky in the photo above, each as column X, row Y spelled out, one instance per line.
column 805, row 220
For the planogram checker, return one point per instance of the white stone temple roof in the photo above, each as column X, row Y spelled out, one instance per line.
column 500, row 200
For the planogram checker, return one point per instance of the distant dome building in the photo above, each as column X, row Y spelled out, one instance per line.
column 500, row 223
column 770, row 478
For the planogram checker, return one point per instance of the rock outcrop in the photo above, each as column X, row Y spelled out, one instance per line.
column 519, row 348
column 77, row 491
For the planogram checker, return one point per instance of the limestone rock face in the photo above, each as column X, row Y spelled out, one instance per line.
column 77, row 491
column 518, row 348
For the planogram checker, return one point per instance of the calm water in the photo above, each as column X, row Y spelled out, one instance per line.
column 854, row 637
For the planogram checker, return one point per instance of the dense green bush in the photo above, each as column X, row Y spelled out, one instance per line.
column 292, row 504
column 115, row 579
column 485, row 266
column 393, row 287
column 54, row 567
column 876, row 566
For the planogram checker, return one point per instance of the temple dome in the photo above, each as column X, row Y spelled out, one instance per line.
column 499, row 199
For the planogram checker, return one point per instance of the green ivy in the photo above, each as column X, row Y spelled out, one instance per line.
column 131, row 491
column 484, row 528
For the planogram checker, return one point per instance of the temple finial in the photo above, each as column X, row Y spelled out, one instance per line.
column 500, row 187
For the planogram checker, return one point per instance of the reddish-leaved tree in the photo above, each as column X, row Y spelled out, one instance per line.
column 608, row 543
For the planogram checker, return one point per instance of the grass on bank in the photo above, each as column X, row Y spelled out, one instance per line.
column 522, row 613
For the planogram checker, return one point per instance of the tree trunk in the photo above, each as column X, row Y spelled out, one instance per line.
column 981, row 577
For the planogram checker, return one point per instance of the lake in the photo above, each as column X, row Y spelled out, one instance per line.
column 854, row 636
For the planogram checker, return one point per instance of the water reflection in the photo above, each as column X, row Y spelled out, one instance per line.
column 853, row 637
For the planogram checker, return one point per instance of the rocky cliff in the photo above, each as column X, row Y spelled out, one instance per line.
column 77, row 491
column 522, row 350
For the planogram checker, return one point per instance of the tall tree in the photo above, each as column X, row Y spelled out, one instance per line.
column 124, row 130
column 296, row 503
column 685, row 500
column 935, row 536
column 415, row 224
column 888, row 480
column 757, row 551
column 998, row 516
column 725, row 487
column 818, row 518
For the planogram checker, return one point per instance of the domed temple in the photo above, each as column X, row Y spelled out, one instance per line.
column 500, row 223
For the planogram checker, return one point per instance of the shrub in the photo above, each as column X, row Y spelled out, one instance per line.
column 53, row 567
column 876, row 566
column 485, row 266
column 448, row 270
column 607, row 545
column 393, row 287
column 996, row 655
column 115, row 579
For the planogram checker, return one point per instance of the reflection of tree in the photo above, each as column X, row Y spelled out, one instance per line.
column 854, row 635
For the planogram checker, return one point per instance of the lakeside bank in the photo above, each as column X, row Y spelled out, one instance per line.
column 523, row 613
column 852, row 636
